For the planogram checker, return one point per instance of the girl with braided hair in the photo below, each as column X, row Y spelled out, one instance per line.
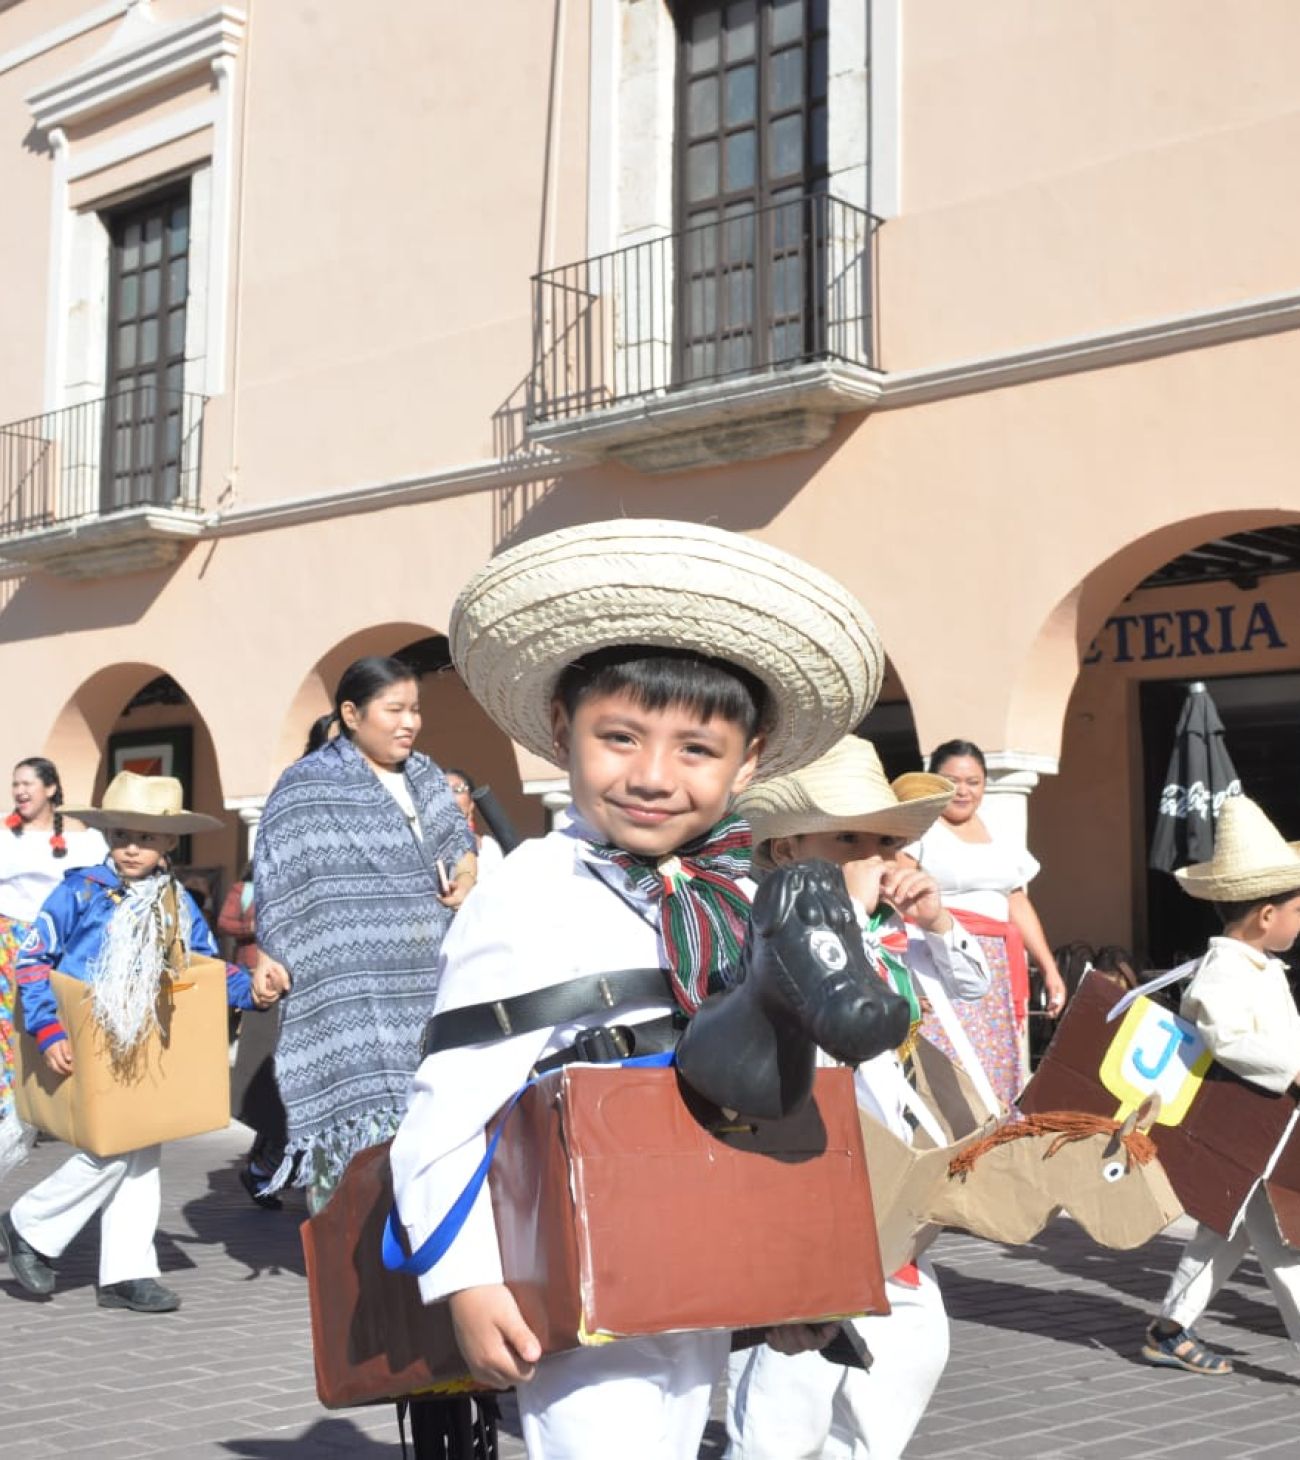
column 38, row 847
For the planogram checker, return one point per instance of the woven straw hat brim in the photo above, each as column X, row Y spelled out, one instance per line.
column 183, row 823
column 911, row 821
column 1210, row 884
column 845, row 791
column 537, row 607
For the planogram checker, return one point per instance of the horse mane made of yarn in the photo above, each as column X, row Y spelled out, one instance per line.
column 1067, row 1126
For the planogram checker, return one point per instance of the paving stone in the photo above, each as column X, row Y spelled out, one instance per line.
column 1044, row 1349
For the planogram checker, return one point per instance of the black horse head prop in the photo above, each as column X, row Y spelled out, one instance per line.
column 805, row 982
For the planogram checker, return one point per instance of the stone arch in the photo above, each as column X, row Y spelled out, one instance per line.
column 1040, row 695
column 315, row 693
column 78, row 743
column 79, row 734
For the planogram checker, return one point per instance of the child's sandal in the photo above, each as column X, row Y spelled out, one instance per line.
column 1182, row 1349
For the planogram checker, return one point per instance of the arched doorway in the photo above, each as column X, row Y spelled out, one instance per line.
column 139, row 717
column 1220, row 609
column 891, row 727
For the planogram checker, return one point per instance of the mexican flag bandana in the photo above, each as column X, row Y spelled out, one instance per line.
column 703, row 913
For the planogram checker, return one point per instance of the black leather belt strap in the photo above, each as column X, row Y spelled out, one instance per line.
column 592, row 994
column 652, row 1037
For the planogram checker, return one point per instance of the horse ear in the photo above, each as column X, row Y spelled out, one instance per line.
column 1148, row 1112
column 1143, row 1118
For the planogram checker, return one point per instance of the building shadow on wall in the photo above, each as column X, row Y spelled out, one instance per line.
column 742, row 495
column 39, row 605
column 514, row 500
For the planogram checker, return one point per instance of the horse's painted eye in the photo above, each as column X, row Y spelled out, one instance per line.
column 1113, row 1170
column 828, row 948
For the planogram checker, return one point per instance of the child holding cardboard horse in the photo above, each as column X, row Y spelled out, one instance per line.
column 655, row 662
column 844, row 810
column 1241, row 1003
column 128, row 930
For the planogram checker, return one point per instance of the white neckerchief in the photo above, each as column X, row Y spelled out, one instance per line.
column 127, row 971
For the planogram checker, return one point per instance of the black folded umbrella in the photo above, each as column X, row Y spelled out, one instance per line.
column 1200, row 777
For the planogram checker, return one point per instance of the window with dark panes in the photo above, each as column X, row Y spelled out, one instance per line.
column 148, row 288
column 751, row 148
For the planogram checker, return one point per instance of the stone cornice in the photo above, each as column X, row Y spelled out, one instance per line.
column 863, row 392
column 133, row 541
column 1196, row 330
column 141, row 56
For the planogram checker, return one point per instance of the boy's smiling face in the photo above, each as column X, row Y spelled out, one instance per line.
column 650, row 781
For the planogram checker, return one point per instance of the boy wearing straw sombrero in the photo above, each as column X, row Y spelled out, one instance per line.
column 122, row 927
column 663, row 665
column 1241, row 1003
column 842, row 809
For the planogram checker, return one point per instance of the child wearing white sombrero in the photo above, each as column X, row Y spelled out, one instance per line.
column 121, row 927
column 843, row 809
column 663, row 665
column 1241, row 1003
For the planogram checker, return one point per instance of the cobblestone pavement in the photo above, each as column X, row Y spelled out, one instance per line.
column 1043, row 1355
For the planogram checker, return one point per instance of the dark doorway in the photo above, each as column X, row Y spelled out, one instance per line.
column 146, row 423
column 1261, row 719
column 891, row 729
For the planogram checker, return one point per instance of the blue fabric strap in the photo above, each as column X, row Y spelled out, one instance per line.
column 437, row 1243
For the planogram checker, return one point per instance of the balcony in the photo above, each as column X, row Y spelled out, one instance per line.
column 728, row 341
column 108, row 486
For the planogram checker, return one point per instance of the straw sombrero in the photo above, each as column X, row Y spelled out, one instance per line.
column 144, row 803
column 1251, row 858
column 537, row 607
column 845, row 790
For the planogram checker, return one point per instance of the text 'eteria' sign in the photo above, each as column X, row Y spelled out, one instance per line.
column 1185, row 633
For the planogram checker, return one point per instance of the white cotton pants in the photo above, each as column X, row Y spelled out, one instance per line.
column 126, row 1190
column 638, row 1399
column 800, row 1407
column 1209, row 1260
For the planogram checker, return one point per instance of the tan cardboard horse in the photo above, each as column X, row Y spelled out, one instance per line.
column 1005, row 1178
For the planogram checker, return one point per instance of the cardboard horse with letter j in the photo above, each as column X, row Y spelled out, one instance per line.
column 1217, row 1136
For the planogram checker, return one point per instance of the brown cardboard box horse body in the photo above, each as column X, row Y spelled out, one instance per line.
column 607, row 1185
column 177, row 1083
column 1216, row 1134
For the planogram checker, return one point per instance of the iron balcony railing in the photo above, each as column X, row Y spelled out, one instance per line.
column 137, row 448
column 751, row 292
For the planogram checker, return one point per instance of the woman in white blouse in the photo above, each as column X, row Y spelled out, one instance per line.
column 983, row 879
column 38, row 845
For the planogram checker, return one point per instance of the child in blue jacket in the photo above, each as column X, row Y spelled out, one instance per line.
column 113, row 926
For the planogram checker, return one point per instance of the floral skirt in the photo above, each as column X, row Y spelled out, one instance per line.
column 990, row 1024
column 12, row 934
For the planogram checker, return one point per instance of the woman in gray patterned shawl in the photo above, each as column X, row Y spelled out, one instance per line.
column 350, row 857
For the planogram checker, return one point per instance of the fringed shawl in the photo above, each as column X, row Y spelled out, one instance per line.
column 347, row 900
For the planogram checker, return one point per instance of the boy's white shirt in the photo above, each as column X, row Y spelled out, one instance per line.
column 544, row 918
column 1241, row 1003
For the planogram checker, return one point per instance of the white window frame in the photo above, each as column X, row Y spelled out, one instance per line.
column 141, row 57
column 633, row 58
